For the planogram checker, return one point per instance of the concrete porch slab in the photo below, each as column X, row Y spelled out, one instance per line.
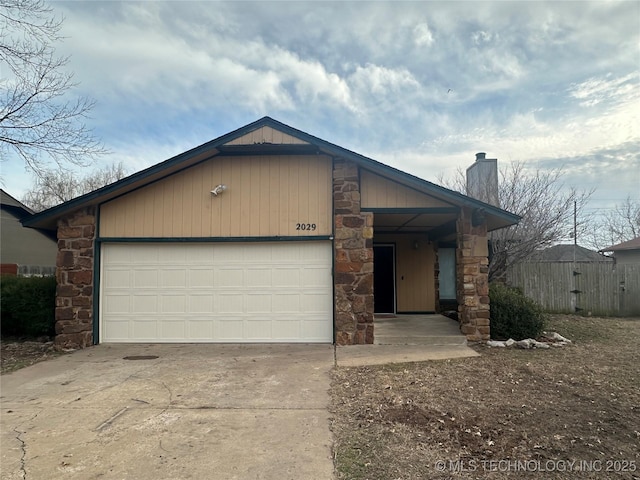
column 427, row 329
column 362, row 355
column 408, row 338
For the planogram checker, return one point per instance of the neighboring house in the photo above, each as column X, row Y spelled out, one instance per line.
column 568, row 253
column 265, row 234
column 625, row 253
column 23, row 250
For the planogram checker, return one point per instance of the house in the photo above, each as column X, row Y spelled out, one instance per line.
column 24, row 250
column 625, row 253
column 265, row 234
column 568, row 253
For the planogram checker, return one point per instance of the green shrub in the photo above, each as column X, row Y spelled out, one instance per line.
column 27, row 306
column 513, row 315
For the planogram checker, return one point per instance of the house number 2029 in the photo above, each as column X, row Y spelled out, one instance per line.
column 306, row 226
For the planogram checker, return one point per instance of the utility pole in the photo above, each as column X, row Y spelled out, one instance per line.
column 575, row 222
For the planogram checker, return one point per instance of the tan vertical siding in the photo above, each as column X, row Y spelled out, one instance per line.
column 267, row 135
column 415, row 275
column 265, row 196
column 378, row 192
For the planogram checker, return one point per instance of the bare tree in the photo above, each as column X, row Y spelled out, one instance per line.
column 545, row 205
column 53, row 187
column 617, row 225
column 38, row 120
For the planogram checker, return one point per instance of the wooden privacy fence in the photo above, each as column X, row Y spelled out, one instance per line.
column 596, row 288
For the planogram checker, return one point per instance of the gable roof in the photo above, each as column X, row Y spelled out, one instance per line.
column 633, row 244
column 18, row 208
column 224, row 145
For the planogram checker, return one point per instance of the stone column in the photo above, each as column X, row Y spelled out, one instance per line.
column 472, row 279
column 353, row 276
column 74, row 276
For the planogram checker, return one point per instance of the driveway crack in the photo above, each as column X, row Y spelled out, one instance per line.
column 23, row 447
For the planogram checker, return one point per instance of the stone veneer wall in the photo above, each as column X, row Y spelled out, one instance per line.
column 472, row 272
column 74, row 275
column 353, row 275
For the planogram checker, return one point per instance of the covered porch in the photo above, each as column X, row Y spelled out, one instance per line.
column 407, row 250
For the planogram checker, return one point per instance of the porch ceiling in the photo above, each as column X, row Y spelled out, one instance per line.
column 411, row 222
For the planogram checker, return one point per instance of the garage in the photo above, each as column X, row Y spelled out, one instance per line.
column 257, row 292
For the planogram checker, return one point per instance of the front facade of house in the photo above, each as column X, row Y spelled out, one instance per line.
column 266, row 234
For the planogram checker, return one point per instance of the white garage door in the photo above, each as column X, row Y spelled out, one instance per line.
column 235, row 292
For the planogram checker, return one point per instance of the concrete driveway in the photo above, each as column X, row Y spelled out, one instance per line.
column 196, row 411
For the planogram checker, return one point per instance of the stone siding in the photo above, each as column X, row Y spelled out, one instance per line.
column 353, row 274
column 74, row 275
column 472, row 272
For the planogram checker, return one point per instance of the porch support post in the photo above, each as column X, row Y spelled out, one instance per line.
column 353, row 245
column 472, row 279
column 74, row 278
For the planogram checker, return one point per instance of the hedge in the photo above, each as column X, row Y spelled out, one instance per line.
column 513, row 315
column 27, row 306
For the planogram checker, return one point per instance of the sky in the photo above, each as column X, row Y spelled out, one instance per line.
column 420, row 86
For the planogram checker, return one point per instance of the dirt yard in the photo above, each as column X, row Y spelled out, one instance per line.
column 566, row 412
column 16, row 353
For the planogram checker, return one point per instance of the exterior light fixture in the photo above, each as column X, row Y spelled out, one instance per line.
column 219, row 189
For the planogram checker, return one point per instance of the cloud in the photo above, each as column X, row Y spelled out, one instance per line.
column 422, row 85
column 596, row 90
column 422, row 35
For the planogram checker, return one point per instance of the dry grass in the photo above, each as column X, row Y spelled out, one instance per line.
column 16, row 354
column 578, row 403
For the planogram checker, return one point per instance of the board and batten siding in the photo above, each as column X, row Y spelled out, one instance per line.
column 379, row 192
column 267, row 135
column 266, row 196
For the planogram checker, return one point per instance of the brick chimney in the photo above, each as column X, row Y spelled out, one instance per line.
column 482, row 179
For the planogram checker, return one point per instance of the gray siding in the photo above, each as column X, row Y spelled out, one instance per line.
column 25, row 246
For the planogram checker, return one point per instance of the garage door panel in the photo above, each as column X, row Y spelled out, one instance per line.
column 144, row 304
column 173, row 278
column 201, row 303
column 143, row 329
column 287, row 330
column 286, row 277
column 259, row 329
column 230, row 303
column 259, row 303
column 230, row 329
column 286, row 303
column 313, row 328
column 199, row 255
column 259, row 277
column 118, row 278
column 201, row 277
column 253, row 292
column 117, row 304
column 145, row 278
column 200, row 329
column 172, row 330
column 230, row 277
column 117, row 329
column 149, row 256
